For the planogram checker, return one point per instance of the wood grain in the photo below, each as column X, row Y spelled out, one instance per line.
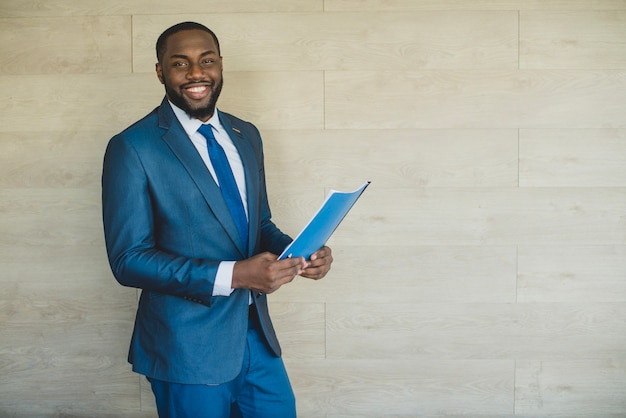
column 547, row 331
column 329, row 41
column 475, row 99
column 475, row 216
column 87, row 45
column 571, row 273
column 55, row 160
column 411, row 274
column 272, row 100
column 301, row 328
column 481, row 275
column 569, row 387
column 30, row 8
column 413, row 158
column 589, row 39
column 411, row 5
column 404, row 387
column 572, row 158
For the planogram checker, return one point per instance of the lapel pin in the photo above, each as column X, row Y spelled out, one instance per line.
column 237, row 130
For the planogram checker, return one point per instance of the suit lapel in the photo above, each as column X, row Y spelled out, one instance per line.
column 178, row 141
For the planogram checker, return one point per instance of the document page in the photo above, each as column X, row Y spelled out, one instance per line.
column 325, row 221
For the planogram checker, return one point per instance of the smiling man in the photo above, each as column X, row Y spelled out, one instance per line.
column 187, row 220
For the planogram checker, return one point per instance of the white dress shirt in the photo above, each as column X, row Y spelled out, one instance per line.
column 224, row 277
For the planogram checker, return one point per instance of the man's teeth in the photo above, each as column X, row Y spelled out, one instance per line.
column 197, row 89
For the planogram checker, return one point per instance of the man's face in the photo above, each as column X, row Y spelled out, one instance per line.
column 191, row 70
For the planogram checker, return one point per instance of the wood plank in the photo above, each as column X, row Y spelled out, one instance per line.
column 272, row 100
column 65, row 343
column 22, row 303
column 468, row 216
column 86, row 45
column 44, row 8
column 323, row 41
column 454, row 291
column 50, row 217
column 343, row 159
column 80, row 269
column 148, row 403
column 300, row 327
column 57, row 159
column 376, row 388
column 61, row 104
column 412, row 5
column 572, row 158
column 37, row 409
column 275, row 100
column 42, row 366
column 475, row 99
column 589, row 39
column 547, row 331
column 395, row 274
column 592, row 387
column 571, row 274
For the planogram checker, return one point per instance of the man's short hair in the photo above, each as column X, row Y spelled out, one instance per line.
column 160, row 44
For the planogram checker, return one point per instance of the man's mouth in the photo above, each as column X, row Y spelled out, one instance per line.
column 197, row 92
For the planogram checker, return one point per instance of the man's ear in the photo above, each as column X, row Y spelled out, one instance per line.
column 159, row 72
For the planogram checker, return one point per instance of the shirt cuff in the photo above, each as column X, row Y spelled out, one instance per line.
column 224, row 279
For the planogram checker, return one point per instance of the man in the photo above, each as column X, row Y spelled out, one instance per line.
column 203, row 254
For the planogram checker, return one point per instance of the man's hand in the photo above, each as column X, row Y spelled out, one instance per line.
column 264, row 273
column 318, row 264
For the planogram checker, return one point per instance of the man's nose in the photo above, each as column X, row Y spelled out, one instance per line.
column 194, row 72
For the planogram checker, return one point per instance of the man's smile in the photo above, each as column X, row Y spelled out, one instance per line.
column 197, row 92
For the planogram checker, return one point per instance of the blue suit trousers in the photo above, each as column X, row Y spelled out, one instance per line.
column 262, row 389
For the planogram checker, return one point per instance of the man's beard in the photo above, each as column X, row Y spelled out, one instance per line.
column 203, row 112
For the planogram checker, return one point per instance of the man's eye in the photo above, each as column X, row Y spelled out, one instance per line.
column 180, row 64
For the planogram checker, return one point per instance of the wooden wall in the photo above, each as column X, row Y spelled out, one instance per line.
column 482, row 274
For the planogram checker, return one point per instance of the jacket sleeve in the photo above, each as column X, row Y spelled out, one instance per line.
column 128, row 217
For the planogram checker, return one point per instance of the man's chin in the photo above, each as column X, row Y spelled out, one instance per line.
column 202, row 113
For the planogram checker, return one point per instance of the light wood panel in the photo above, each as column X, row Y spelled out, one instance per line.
column 385, row 387
column 409, row 5
column 29, row 8
column 77, row 102
column 88, row 44
column 475, row 99
column 571, row 274
column 343, row 159
column 301, row 327
column 276, row 100
column 60, row 357
column 572, row 158
column 570, row 388
column 573, row 40
column 455, row 216
column 61, row 159
column 410, row 274
column 104, row 102
column 480, row 275
column 83, row 269
column 329, row 41
column 50, row 218
column 547, row 331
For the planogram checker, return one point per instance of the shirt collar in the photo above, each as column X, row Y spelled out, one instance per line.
column 191, row 125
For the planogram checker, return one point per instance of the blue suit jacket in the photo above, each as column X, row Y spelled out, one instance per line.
column 167, row 227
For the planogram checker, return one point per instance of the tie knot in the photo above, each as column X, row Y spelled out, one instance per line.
column 207, row 131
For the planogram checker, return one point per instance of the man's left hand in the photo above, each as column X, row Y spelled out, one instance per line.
column 319, row 264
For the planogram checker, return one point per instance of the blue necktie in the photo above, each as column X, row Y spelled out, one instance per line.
column 225, row 178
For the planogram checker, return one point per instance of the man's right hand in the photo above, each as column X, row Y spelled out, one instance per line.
column 264, row 273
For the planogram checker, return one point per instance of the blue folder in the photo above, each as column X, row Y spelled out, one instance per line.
column 319, row 229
